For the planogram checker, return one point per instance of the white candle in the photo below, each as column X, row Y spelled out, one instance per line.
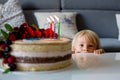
column 54, row 24
column 50, row 22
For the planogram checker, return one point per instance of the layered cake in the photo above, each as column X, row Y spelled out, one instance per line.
column 28, row 48
column 43, row 54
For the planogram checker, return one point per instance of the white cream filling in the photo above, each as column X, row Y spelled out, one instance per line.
column 40, row 54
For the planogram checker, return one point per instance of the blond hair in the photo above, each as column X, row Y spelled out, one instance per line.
column 91, row 36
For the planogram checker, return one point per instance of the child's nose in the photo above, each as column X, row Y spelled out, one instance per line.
column 85, row 48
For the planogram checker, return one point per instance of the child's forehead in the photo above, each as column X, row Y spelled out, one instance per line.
column 85, row 38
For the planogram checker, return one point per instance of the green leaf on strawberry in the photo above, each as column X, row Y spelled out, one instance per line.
column 6, row 70
column 1, row 49
column 4, row 34
column 9, row 27
column 34, row 26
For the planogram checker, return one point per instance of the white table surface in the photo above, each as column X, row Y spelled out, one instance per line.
column 108, row 69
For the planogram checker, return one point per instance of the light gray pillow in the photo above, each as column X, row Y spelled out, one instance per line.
column 118, row 24
column 11, row 13
column 67, row 22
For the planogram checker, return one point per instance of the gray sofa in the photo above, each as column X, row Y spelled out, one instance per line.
column 96, row 15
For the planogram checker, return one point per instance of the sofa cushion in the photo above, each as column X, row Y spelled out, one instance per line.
column 38, row 4
column 67, row 22
column 91, row 4
column 11, row 13
column 103, row 22
column 110, row 44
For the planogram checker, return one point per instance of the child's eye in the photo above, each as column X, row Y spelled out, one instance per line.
column 90, row 45
column 81, row 45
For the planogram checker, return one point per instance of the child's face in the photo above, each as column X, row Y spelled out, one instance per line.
column 84, row 45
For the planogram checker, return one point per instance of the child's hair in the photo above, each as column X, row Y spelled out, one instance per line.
column 91, row 36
